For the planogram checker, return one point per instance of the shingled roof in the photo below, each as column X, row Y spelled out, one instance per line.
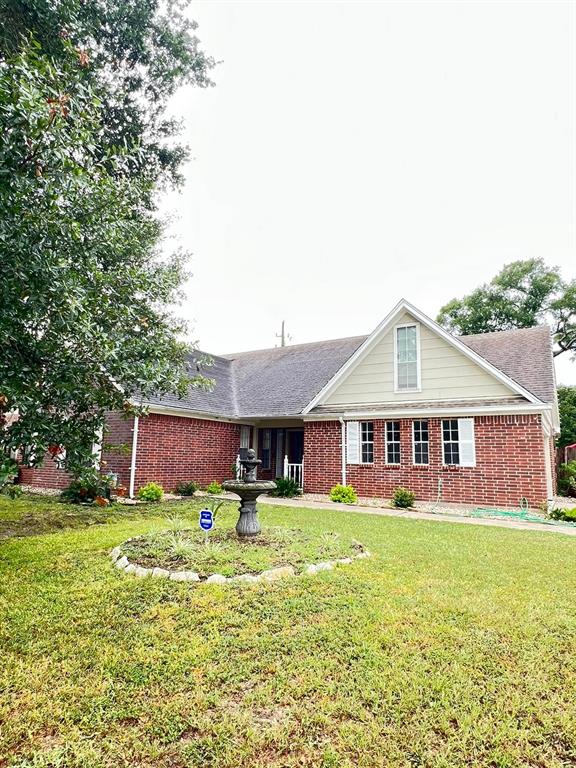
column 523, row 354
column 282, row 381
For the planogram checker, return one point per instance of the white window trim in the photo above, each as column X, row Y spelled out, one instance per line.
column 244, row 436
column 427, row 464
column 473, row 441
column 267, row 433
column 362, row 442
column 418, row 388
column 392, row 463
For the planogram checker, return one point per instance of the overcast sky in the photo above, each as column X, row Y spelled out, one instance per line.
column 355, row 153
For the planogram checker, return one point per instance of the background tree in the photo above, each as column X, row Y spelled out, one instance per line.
column 567, row 406
column 85, row 292
column 523, row 294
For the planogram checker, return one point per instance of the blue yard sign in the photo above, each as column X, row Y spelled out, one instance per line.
column 206, row 519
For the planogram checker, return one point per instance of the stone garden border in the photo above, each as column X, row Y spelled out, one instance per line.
column 272, row 574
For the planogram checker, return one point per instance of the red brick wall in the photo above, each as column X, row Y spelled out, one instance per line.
column 46, row 476
column 509, row 463
column 117, row 447
column 172, row 449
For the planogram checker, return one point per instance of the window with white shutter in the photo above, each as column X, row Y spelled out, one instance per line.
column 459, row 447
column 353, row 442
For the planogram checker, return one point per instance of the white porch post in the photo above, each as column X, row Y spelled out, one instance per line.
column 285, row 466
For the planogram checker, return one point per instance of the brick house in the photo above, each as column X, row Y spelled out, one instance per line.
column 471, row 419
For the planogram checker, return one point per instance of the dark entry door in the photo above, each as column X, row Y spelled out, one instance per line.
column 295, row 445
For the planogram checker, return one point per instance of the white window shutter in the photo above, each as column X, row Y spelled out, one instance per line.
column 352, row 442
column 467, row 442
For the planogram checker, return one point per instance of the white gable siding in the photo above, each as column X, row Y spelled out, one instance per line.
column 447, row 374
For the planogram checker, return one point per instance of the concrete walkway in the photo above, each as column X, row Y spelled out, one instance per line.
column 413, row 514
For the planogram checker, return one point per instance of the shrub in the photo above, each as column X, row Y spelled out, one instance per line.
column 214, row 488
column 344, row 494
column 86, row 487
column 151, row 492
column 187, row 489
column 567, row 479
column 12, row 491
column 8, row 472
column 402, row 497
column 286, row 487
column 564, row 514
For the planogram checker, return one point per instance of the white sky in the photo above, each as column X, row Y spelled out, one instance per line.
column 355, row 153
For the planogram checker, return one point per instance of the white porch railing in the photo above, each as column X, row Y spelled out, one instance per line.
column 294, row 472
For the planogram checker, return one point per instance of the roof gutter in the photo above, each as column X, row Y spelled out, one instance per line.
column 416, row 413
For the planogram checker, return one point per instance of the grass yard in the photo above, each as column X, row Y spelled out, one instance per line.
column 454, row 645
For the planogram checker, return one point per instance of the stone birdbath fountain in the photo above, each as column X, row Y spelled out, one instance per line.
column 248, row 488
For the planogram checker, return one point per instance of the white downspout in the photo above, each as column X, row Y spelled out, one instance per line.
column 133, row 457
column 343, row 426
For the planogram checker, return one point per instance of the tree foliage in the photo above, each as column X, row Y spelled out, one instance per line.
column 567, row 407
column 137, row 52
column 522, row 295
column 85, row 292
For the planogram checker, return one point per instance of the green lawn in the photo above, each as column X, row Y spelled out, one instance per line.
column 454, row 645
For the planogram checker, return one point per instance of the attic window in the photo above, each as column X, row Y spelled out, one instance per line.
column 407, row 358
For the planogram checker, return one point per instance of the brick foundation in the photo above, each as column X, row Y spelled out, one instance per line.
column 509, row 463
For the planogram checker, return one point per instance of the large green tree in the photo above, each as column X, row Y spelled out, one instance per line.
column 523, row 294
column 85, row 294
column 136, row 52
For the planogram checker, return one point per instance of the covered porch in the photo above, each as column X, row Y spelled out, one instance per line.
column 281, row 449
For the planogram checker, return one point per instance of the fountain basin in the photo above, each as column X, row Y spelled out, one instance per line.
column 248, row 523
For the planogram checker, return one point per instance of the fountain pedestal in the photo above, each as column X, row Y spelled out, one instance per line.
column 248, row 488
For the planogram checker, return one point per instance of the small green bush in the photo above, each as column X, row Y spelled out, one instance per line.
column 402, row 497
column 344, row 494
column 86, row 487
column 8, row 472
column 286, row 488
column 214, row 488
column 567, row 479
column 151, row 492
column 187, row 489
column 564, row 514
column 12, row 491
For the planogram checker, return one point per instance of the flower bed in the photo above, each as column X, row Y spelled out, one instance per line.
column 186, row 556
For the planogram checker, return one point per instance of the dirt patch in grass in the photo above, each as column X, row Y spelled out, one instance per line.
column 229, row 555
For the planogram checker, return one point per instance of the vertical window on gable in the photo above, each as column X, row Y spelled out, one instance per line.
column 420, row 442
column 266, row 441
column 367, row 442
column 392, row 442
column 406, row 363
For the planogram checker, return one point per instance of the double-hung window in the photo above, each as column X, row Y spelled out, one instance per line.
column 407, row 358
column 392, row 442
column 367, row 442
column 266, row 442
column 420, row 442
column 458, row 444
column 359, row 442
